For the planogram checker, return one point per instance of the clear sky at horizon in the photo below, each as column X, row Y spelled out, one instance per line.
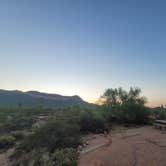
column 84, row 46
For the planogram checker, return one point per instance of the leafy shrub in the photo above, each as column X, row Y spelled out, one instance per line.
column 65, row 157
column 54, row 134
column 6, row 142
column 16, row 122
column 41, row 157
column 18, row 135
column 126, row 107
column 135, row 114
column 89, row 122
column 45, row 142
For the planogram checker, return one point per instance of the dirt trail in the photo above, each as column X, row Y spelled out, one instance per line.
column 4, row 157
column 143, row 146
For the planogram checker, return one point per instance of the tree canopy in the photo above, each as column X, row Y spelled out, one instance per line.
column 126, row 106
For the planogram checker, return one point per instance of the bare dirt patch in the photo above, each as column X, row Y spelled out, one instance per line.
column 4, row 157
column 144, row 146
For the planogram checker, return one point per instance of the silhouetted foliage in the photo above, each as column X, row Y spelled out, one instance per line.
column 126, row 107
column 89, row 122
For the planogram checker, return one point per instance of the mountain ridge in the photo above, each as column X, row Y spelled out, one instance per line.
column 36, row 98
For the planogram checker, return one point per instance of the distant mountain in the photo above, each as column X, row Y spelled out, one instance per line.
column 35, row 98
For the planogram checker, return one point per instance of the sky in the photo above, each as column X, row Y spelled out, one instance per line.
column 82, row 47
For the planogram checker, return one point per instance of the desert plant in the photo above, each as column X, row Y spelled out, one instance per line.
column 126, row 107
column 89, row 122
column 6, row 142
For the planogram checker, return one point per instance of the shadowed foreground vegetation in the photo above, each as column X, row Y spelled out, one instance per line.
column 51, row 136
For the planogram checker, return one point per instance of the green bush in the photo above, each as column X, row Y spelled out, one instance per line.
column 65, row 157
column 6, row 142
column 89, row 122
column 43, row 145
column 16, row 122
column 55, row 134
column 18, row 135
column 41, row 157
column 126, row 107
column 135, row 114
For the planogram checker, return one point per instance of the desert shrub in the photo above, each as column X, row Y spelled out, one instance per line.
column 126, row 107
column 89, row 122
column 36, row 157
column 18, row 135
column 65, row 157
column 54, row 134
column 135, row 114
column 43, row 145
column 16, row 122
column 6, row 142
column 41, row 157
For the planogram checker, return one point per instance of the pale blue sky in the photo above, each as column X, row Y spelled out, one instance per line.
column 84, row 46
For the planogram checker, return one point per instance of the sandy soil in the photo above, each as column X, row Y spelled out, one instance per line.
column 144, row 146
column 3, row 160
column 4, row 157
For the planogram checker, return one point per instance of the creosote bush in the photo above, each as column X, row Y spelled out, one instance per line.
column 54, row 134
column 16, row 122
column 6, row 142
column 41, row 157
column 89, row 122
column 56, row 138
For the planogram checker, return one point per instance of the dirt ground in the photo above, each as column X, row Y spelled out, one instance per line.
column 144, row 146
column 4, row 157
column 3, row 160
